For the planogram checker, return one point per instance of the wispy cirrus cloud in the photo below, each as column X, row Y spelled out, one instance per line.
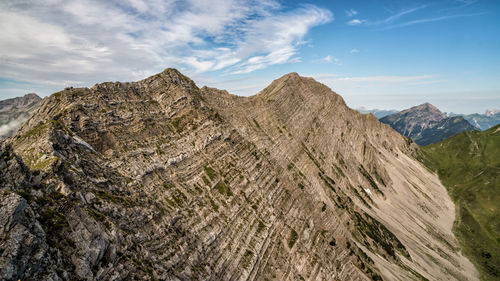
column 435, row 19
column 395, row 20
column 464, row 3
column 398, row 15
column 351, row 13
column 386, row 20
column 78, row 42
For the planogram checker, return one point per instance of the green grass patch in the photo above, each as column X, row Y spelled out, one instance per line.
column 370, row 179
column 223, row 189
column 26, row 194
column 260, row 226
column 98, row 216
column 205, row 181
column 178, row 124
column 292, row 239
column 468, row 164
column 214, row 206
column 372, row 228
column 210, row 172
column 256, row 124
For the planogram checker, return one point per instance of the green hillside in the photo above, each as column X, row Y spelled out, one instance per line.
column 468, row 164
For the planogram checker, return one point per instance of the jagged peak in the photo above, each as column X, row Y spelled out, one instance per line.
column 426, row 106
column 416, row 111
column 26, row 100
column 32, row 96
column 172, row 75
column 291, row 79
column 291, row 74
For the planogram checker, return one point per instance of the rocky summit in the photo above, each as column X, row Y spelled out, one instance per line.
column 162, row 180
column 426, row 124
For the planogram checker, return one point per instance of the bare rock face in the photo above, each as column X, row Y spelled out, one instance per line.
column 159, row 179
column 23, row 239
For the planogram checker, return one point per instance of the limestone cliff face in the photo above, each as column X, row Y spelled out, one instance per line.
column 159, row 179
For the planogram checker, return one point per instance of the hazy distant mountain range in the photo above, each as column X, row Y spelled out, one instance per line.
column 488, row 119
column 13, row 113
column 483, row 121
column 379, row 113
column 425, row 124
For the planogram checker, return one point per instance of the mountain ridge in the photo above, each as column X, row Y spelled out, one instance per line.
column 159, row 179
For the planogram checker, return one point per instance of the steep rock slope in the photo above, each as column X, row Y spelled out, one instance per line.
column 13, row 113
column 305, row 126
column 158, row 179
column 469, row 165
column 425, row 124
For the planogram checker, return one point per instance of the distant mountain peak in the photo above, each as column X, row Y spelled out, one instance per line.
column 426, row 124
column 426, row 107
column 23, row 101
column 32, row 96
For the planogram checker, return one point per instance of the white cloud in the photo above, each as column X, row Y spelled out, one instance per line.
column 355, row 22
column 278, row 37
column 353, row 51
column 87, row 41
column 12, row 125
column 350, row 13
column 329, row 58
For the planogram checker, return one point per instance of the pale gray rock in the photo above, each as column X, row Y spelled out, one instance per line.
column 23, row 246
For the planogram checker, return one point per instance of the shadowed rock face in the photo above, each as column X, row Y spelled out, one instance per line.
column 425, row 124
column 159, row 179
column 13, row 113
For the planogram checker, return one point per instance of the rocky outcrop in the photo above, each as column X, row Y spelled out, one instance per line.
column 23, row 239
column 159, row 179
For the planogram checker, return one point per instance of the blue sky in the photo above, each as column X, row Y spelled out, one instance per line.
column 376, row 54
